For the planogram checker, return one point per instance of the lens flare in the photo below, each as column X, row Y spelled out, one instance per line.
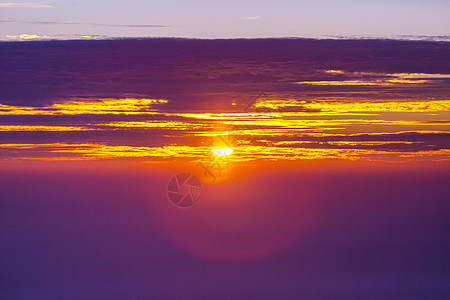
column 222, row 151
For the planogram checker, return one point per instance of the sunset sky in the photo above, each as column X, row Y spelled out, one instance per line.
column 279, row 101
column 322, row 153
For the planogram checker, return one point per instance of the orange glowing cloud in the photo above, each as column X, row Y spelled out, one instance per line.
column 125, row 106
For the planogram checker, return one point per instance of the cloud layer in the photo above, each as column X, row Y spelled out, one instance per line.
column 26, row 5
column 170, row 99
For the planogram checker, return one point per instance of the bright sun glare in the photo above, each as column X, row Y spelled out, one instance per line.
column 222, row 151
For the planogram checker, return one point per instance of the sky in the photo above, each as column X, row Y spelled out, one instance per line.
column 318, row 168
column 77, row 19
column 109, row 232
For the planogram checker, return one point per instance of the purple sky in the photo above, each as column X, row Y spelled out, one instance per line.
column 224, row 19
column 72, row 229
column 91, row 233
column 342, row 195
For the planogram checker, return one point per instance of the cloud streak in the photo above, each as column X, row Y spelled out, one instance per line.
column 361, row 131
column 251, row 18
column 84, row 24
column 25, row 5
column 28, row 37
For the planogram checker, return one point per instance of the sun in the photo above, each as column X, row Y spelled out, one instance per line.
column 222, row 151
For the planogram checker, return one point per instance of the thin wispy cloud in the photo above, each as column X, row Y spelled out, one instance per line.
column 425, row 37
column 28, row 37
column 444, row 37
column 83, row 24
column 26, row 5
column 55, row 36
column 251, row 18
